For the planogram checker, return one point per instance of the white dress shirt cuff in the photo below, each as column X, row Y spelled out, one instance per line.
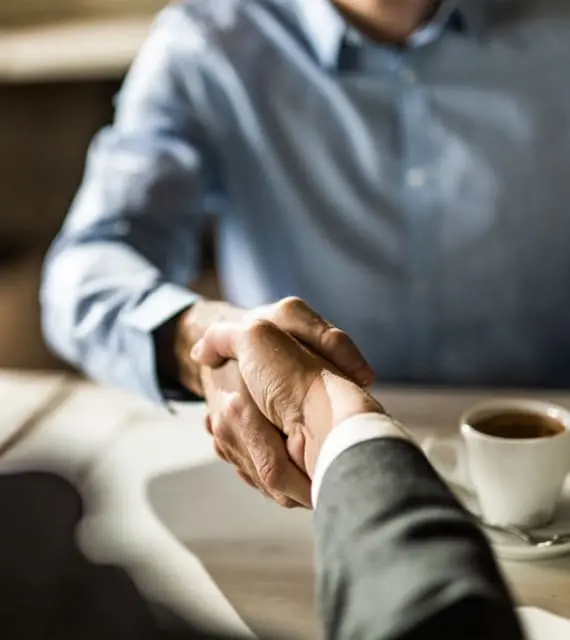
column 361, row 428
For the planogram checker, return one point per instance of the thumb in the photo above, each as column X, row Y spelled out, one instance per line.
column 276, row 369
column 219, row 344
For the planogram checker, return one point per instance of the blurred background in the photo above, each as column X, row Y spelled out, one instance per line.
column 61, row 63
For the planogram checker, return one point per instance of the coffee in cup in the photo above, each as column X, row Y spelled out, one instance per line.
column 514, row 455
column 518, row 425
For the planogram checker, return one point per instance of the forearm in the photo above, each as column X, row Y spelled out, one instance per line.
column 119, row 320
column 101, row 303
column 398, row 557
column 120, row 267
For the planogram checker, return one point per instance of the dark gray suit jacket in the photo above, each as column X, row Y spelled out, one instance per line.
column 397, row 557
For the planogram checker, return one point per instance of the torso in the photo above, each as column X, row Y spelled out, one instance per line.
column 426, row 216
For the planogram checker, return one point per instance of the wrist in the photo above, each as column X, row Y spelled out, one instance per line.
column 330, row 401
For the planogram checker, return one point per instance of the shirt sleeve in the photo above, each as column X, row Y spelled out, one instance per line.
column 361, row 428
column 119, row 268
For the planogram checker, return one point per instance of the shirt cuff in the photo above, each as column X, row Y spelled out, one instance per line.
column 360, row 428
column 160, row 306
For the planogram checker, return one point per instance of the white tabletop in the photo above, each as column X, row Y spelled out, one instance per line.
column 111, row 444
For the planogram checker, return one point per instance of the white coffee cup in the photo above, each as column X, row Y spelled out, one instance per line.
column 518, row 481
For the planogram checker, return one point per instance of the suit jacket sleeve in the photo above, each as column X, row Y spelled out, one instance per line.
column 397, row 556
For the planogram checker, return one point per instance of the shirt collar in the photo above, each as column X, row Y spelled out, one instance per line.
column 327, row 29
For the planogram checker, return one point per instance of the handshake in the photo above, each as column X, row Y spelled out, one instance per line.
column 277, row 380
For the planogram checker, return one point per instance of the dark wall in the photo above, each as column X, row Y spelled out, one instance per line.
column 45, row 130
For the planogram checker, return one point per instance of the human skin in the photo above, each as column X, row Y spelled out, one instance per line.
column 387, row 20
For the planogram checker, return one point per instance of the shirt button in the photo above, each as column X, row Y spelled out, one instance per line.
column 408, row 76
column 416, row 178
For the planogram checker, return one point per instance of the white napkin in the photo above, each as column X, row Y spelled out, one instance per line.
column 542, row 625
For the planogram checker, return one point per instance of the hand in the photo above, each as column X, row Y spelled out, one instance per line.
column 260, row 454
column 296, row 389
column 290, row 314
column 245, row 438
column 187, row 329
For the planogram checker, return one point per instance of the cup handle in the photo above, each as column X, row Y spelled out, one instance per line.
column 447, row 455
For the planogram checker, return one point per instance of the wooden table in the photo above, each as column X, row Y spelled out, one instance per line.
column 54, row 422
column 80, row 50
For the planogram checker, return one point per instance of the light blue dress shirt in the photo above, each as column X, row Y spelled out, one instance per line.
column 418, row 197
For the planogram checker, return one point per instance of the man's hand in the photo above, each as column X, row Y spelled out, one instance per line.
column 295, row 388
column 242, row 435
column 290, row 314
column 245, row 438
column 188, row 329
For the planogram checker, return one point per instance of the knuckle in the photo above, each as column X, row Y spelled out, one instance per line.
column 237, row 412
column 221, row 429
column 215, row 425
column 290, row 305
column 231, row 457
column 209, row 332
column 257, row 328
column 333, row 338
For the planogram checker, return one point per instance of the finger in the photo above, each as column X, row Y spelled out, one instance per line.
column 224, row 441
column 220, row 452
column 246, row 471
column 297, row 318
column 295, row 445
column 279, row 476
column 209, row 425
column 280, row 373
column 249, row 477
column 229, row 450
column 218, row 345
column 287, row 503
column 244, row 476
column 233, row 450
column 265, row 449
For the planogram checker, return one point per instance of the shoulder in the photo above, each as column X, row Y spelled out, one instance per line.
column 215, row 14
column 191, row 28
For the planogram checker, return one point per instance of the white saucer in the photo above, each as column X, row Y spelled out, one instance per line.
column 507, row 546
column 539, row 624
